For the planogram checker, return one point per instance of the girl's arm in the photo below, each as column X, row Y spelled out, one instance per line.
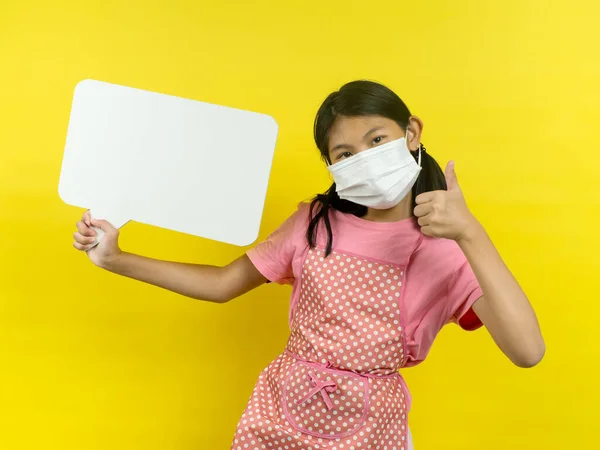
column 210, row 283
column 504, row 308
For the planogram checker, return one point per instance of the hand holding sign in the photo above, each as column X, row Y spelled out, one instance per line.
column 86, row 239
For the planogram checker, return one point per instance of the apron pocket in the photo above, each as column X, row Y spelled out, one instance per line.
column 323, row 402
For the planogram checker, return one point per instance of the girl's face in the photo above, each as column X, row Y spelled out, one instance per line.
column 351, row 135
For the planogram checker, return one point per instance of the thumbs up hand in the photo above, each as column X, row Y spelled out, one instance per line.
column 444, row 214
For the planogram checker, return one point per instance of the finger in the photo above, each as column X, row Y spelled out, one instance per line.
column 423, row 209
column 84, row 229
column 87, row 218
column 425, row 197
column 104, row 226
column 83, row 240
column 427, row 231
column 81, row 247
column 451, row 179
column 424, row 221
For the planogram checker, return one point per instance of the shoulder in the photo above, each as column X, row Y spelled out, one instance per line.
column 274, row 256
column 298, row 221
column 439, row 257
column 294, row 227
column 303, row 212
column 440, row 246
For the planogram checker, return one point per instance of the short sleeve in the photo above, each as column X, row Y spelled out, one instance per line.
column 273, row 257
column 463, row 291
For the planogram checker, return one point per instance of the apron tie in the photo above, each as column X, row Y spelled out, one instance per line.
column 322, row 387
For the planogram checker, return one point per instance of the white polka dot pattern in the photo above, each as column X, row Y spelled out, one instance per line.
column 338, row 388
column 324, row 402
column 348, row 314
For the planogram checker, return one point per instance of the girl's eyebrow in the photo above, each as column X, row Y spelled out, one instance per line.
column 350, row 147
column 372, row 130
column 342, row 146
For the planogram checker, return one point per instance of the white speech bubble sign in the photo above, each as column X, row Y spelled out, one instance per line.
column 175, row 163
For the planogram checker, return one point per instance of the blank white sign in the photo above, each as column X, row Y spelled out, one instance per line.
column 180, row 164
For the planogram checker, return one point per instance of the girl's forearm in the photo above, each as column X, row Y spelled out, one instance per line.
column 504, row 308
column 202, row 282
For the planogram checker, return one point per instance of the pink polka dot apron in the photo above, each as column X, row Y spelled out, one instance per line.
column 336, row 385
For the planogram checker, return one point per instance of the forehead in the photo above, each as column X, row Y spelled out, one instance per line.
column 353, row 129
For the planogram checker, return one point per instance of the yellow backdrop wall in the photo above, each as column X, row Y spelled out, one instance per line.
column 509, row 89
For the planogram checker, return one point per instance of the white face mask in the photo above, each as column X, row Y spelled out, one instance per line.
column 378, row 178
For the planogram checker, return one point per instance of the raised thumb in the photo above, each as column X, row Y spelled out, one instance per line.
column 451, row 180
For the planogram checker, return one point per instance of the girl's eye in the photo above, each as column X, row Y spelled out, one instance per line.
column 378, row 140
column 344, row 155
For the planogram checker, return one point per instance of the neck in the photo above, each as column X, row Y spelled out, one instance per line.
column 401, row 211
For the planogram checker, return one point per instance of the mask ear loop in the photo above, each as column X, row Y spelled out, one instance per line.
column 419, row 149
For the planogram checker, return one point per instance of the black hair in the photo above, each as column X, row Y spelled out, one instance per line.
column 355, row 99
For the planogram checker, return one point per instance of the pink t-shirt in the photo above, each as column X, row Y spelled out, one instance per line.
column 440, row 286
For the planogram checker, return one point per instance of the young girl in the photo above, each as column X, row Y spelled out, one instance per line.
column 378, row 264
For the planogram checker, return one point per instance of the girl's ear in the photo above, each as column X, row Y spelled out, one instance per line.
column 415, row 130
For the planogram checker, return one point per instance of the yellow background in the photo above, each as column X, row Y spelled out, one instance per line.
column 509, row 89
